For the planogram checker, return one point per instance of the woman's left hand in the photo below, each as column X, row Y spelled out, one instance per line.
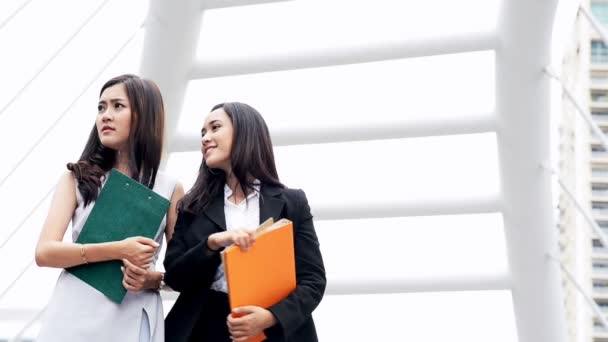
column 251, row 321
column 137, row 278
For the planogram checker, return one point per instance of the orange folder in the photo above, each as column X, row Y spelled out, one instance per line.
column 266, row 273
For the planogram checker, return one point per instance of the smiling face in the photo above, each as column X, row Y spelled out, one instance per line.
column 114, row 117
column 217, row 135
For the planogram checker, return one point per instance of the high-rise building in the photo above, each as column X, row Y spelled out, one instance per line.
column 598, row 105
column 583, row 168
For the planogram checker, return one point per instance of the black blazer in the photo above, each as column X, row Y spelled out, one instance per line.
column 190, row 266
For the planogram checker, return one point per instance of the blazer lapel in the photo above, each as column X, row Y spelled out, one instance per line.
column 215, row 211
column 271, row 205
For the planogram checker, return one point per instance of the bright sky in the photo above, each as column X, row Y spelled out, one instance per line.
column 421, row 168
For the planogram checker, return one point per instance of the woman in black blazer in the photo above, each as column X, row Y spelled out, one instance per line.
column 238, row 185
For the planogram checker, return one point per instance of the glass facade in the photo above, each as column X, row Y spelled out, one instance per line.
column 599, row 52
column 600, row 11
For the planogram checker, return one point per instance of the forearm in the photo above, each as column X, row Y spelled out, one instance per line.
column 59, row 254
column 212, row 245
column 190, row 268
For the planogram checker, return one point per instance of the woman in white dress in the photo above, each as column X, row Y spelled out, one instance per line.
column 128, row 136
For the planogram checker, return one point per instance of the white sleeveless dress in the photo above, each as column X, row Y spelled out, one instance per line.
column 77, row 312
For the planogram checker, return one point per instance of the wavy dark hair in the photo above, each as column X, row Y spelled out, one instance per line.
column 252, row 157
column 145, row 139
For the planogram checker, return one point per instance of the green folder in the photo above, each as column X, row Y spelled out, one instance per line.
column 123, row 209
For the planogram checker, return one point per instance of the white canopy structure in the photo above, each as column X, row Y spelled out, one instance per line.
column 419, row 132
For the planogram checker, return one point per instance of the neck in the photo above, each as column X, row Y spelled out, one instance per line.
column 237, row 192
column 122, row 162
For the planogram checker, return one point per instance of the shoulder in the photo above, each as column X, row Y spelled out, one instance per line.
column 187, row 216
column 296, row 205
column 67, row 185
column 293, row 193
column 293, row 196
column 67, row 181
column 67, row 178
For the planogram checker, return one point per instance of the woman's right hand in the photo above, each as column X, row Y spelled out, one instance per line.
column 139, row 278
column 138, row 250
column 240, row 237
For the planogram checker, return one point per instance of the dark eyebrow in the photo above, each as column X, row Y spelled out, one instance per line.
column 118, row 99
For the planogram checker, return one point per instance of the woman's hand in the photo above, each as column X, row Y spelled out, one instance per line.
column 240, row 237
column 138, row 250
column 138, row 278
column 252, row 320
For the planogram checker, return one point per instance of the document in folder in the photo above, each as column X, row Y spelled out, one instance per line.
column 123, row 209
column 266, row 273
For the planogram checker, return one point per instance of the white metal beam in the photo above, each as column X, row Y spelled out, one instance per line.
column 406, row 208
column 172, row 34
column 362, row 53
column 523, row 109
column 337, row 285
column 391, row 284
column 350, row 131
column 215, row 4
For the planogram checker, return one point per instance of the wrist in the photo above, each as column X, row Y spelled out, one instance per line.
column 155, row 280
column 270, row 320
column 118, row 250
column 83, row 253
column 211, row 244
column 162, row 285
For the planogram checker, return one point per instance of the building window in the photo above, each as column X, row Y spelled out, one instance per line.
column 599, row 205
column 599, row 96
column 596, row 243
column 600, row 11
column 599, row 78
column 599, row 190
column 599, row 52
column 600, row 284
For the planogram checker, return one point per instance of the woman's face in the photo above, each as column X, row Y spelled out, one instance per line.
column 114, row 117
column 217, row 135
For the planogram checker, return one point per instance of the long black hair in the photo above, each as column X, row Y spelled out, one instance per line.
column 145, row 139
column 252, row 157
